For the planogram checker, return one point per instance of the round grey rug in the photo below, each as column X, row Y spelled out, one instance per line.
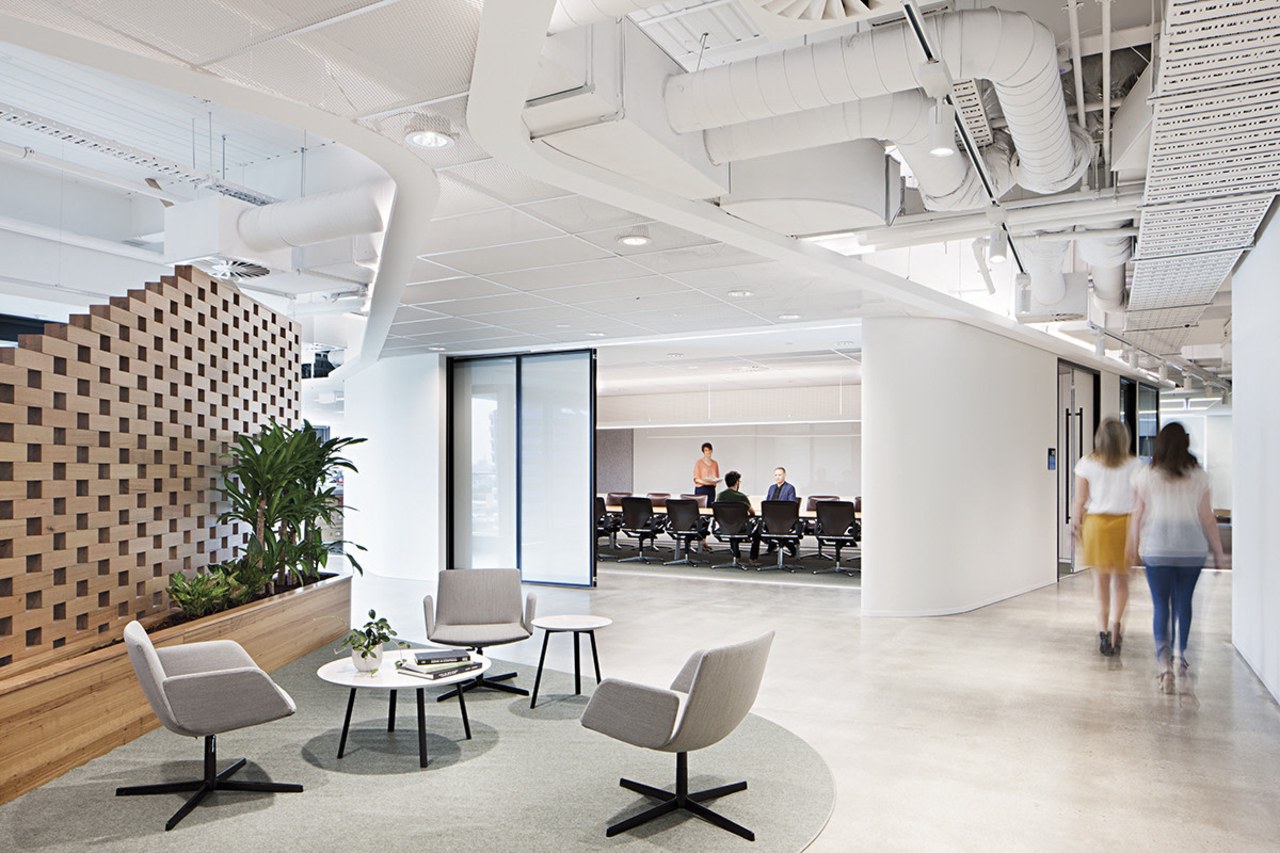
column 528, row 780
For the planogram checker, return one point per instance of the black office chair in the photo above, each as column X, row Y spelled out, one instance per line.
column 701, row 499
column 640, row 523
column 811, row 525
column 780, row 526
column 684, row 525
column 731, row 522
column 659, row 499
column 836, row 526
column 607, row 524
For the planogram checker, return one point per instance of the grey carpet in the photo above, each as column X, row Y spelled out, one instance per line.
column 529, row 780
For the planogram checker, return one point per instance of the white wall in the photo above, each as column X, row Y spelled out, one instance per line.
column 821, row 459
column 959, row 504
column 398, row 494
column 797, row 404
column 1255, row 588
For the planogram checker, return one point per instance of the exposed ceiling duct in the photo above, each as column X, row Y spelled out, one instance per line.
column 903, row 118
column 570, row 14
column 1011, row 50
column 1106, row 257
column 314, row 218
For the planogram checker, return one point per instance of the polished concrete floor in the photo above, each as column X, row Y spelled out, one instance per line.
column 1001, row 729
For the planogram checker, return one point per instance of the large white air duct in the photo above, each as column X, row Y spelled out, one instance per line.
column 903, row 118
column 1106, row 257
column 1010, row 49
column 312, row 219
column 1043, row 260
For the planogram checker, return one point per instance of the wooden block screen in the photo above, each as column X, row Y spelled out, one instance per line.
column 112, row 429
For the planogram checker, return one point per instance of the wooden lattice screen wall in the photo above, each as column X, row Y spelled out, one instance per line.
column 111, row 432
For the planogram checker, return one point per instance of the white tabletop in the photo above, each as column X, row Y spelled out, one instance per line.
column 342, row 671
column 572, row 622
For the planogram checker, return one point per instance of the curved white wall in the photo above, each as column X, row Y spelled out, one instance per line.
column 958, row 502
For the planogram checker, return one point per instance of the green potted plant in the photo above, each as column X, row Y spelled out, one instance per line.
column 366, row 643
column 279, row 484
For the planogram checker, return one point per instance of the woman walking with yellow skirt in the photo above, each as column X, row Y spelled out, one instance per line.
column 1104, row 499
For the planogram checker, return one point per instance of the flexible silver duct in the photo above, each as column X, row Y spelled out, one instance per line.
column 903, row 118
column 1010, row 49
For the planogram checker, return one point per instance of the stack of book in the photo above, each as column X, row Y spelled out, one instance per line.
column 442, row 663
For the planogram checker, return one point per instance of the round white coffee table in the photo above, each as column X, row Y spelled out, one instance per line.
column 343, row 672
column 578, row 624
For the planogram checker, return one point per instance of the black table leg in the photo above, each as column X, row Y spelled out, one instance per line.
column 594, row 656
column 577, row 664
column 462, row 705
column 391, row 713
column 346, row 723
column 546, row 635
column 422, row 730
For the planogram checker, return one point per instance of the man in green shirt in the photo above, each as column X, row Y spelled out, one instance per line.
column 731, row 493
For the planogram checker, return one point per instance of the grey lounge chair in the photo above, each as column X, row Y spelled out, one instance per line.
column 203, row 690
column 479, row 608
column 706, row 702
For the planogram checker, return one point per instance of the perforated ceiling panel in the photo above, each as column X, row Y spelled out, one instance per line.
column 1162, row 318
column 1163, row 342
column 1170, row 229
column 1215, row 156
column 969, row 103
column 503, row 182
column 1177, row 281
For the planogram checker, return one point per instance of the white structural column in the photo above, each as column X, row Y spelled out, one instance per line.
column 1255, row 587
column 397, row 499
column 959, row 505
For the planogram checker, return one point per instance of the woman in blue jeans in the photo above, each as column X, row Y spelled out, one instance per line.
column 1172, row 529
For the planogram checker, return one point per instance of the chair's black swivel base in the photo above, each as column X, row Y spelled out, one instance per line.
column 681, row 799
column 212, row 781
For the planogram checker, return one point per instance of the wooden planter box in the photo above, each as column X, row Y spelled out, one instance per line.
column 60, row 716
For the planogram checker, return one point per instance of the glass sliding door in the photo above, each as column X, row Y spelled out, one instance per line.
column 522, row 465
column 557, row 543
column 482, row 464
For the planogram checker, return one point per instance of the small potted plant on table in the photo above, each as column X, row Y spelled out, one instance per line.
column 366, row 642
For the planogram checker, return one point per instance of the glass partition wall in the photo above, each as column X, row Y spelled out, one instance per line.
column 521, row 465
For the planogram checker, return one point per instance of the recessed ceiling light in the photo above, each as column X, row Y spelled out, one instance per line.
column 638, row 236
column 562, row 325
column 675, row 355
column 845, row 344
column 431, row 139
column 788, row 316
column 436, row 349
column 595, row 334
column 739, row 294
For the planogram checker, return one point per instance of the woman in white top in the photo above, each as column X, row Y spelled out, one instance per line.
column 1104, row 499
column 1173, row 530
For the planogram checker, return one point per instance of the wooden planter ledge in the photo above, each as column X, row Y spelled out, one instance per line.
column 63, row 714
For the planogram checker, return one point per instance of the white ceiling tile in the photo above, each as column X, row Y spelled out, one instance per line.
column 693, row 320
column 459, row 335
column 588, row 293
column 478, row 230
column 490, row 304
column 423, row 271
column 644, row 301
column 662, row 238
column 443, row 291
column 503, row 182
column 697, row 258
column 457, row 198
column 408, row 313
column 445, row 324
column 533, row 318
column 565, row 275
column 577, row 213
column 521, row 256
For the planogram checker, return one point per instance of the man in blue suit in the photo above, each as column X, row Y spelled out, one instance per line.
column 781, row 490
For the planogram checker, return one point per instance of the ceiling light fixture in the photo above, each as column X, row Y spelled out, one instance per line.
column 638, row 236
column 846, row 344
column 739, row 294
column 998, row 246
column 942, row 130
column 788, row 316
column 675, row 355
column 595, row 334
column 436, row 349
column 431, row 132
